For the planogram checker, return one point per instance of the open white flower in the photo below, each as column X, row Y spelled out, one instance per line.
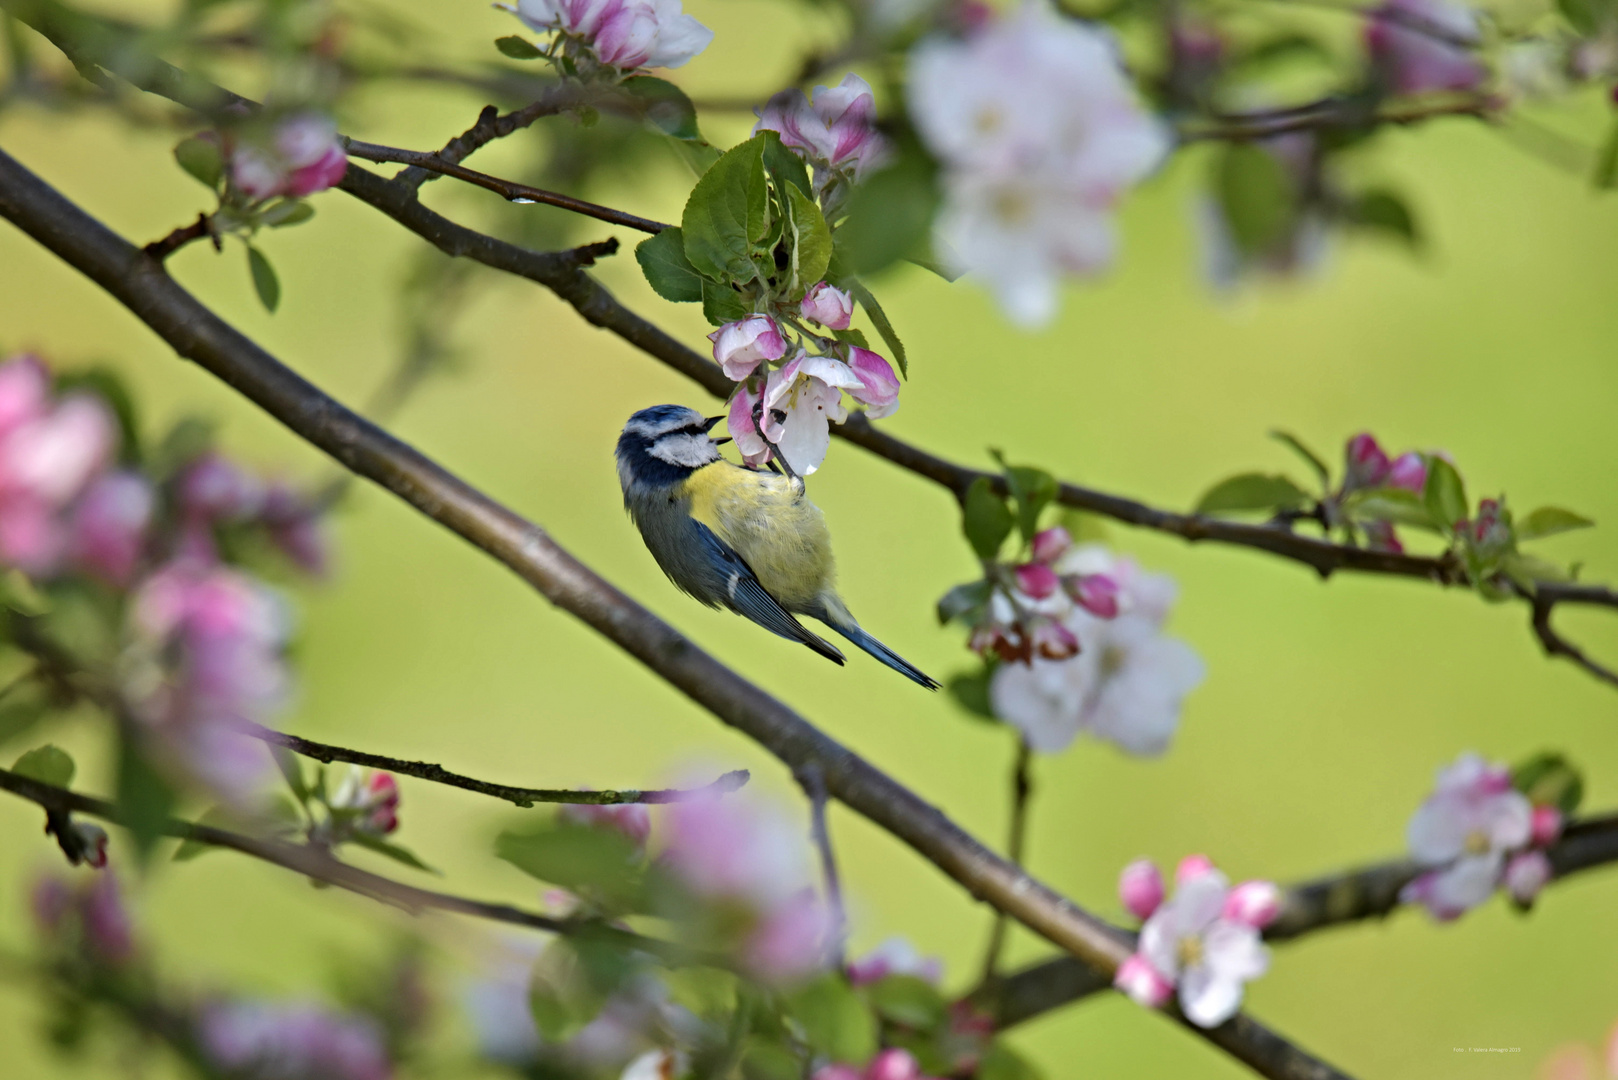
column 1191, row 943
column 1465, row 829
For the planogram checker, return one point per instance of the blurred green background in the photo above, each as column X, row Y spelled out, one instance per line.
column 1327, row 707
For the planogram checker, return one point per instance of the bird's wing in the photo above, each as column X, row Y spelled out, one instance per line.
column 747, row 597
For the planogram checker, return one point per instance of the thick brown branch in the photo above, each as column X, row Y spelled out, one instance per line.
column 424, row 770
column 197, row 334
column 1371, row 892
column 319, row 863
column 506, row 189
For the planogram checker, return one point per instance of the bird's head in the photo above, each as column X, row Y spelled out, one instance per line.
column 664, row 444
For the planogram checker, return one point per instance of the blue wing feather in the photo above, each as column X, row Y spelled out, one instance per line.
column 744, row 595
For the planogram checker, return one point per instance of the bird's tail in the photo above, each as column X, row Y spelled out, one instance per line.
column 836, row 616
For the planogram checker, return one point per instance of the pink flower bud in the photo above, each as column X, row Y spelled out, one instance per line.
column 1526, row 874
column 1545, row 826
column 739, row 347
column 835, row 133
column 836, row 1071
column 631, row 819
column 1381, row 536
column 893, row 1064
column 295, row 527
column 879, row 386
column 1366, row 463
column 1054, row 641
column 93, row 838
column 1140, row 887
column 1253, row 903
column 1192, row 866
column 25, row 388
column 382, row 795
column 1408, row 471
column 1142, row 982
column 1037, row 580
column 54, row 457
column 827, row 305
column 1051, row 544
column 1096, row 593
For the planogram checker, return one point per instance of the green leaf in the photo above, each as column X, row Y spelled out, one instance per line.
column 1001, row 1062
column 287, row 212
column 664, row 106
column 1548, row 521
column 985, row 519
column 727, row 214
column 518, row 48
column 20, row 594
column 1248, row 492
column 111, row 388
column 890, row 214
column 592, row 862
column 662, row 259
column 265, row 283
column 22, row 706
column 722, row 304
column 1256, row 195
column 1312, row 459
column 1384, row 212
column 144, row 797
column 784, row 166
column 49, row 764
column 1397, row 505
column 1549, row 779
column 811, row 243
column 1605, row 176
column 395, row 852
column 835, row 1022
column 216, row 816
column 879, row 319
column 907, row 1000
column 291, row 767
column 851, row 337
column 970, row 690
column 1444, row 493
column 1032, row 490
column 1586, row 16
column 1527, row 571
column 963, row 600
column 200, row 157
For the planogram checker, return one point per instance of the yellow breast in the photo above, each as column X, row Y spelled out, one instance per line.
column 771, row 524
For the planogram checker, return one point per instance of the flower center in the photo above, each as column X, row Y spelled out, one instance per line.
column 1012, row 207
column 1190, row 951
column 987, row 121
column 1112, row 659
column 1477, row 842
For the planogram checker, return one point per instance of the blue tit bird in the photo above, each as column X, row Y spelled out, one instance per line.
column 735, row 538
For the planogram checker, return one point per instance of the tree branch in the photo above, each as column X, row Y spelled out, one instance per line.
column 1370, row 892
column 1543, row 602
column 525, row 797
column 1333, row 113
column 318, row 863
column 197, row 334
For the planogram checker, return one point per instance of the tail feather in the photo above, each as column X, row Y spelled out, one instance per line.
column 852, row 631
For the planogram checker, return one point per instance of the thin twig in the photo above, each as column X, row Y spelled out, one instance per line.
column 317, row 862
column 1542, row 605
column 198, row 334
column 1021, row 789
column 1332, row 113
column 1366, row 893
column 174, row 241
column 424, row 770
column 813, row 783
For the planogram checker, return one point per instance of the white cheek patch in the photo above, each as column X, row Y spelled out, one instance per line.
column 690, row 451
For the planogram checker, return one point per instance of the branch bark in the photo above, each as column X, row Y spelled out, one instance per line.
column 197, row 334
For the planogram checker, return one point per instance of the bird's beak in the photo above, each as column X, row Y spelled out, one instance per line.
column 720, row 442
column 708, row 424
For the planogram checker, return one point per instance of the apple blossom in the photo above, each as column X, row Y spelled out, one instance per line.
column 879, row 386
column 271, row 1040
column 1050, row 544
column 827, row 305
column 1418, row 46
column 835, row 131
column 624, row 34
column 1545, row 826
column 739, row 421
column 1190, row 942
column 1408, row 471
column 788, row 944
column 1526, row 873
column 1254, row 903
column 1095, row 593
column 215, row 488
column 895, row 956
column 1039, row 134
column 801, row 402
column 300, row 156
column 893, row 1064
column 373, row 797
column 294, row 523
column 1037, row 580
column 632, row 820
column 1463, row 832
column 87, row 913
column 1366, row 464
column 1140, row 887
column 1125, row 684
column 1191, row 866
column 739, row 347
column 109, row 526
column 660, row 1064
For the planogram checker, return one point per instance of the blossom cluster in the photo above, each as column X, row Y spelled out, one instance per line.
column 1477, row 833
column 297, row 156
column 1039, row 133
column 1368, row 467
column 834, row 131
column 202, row 639
column 1103, row 664
column 615, row 37
column 1203, row 943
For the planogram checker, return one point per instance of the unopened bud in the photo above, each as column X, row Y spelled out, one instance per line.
column 1140, row 887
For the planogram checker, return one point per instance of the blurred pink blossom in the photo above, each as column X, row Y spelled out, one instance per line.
column 633, row 820
column 110, row 523
column 375, row 798
column 895, row 956
column 1421, row 46
column 1464, row 831
column 835, row 131
column 258, row 1040
column 299, row 156
column 622, row 34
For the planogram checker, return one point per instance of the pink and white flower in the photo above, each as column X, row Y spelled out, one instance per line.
column 1192, row 943
column 1040, row 134
column 740, row 422
column 895, row 956
column 632, row 820
column 1127, row 681
column 623, row 34
column 827, row 305
column 1140, row 887
column 1421, row 46
column 740, row 347
column 373, row 797
column 1464, row 831
column 266, row 1039
column 1526, row 873
column 300, row 156
column 835, row 132
column 109, row 526
column 1408, row 471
